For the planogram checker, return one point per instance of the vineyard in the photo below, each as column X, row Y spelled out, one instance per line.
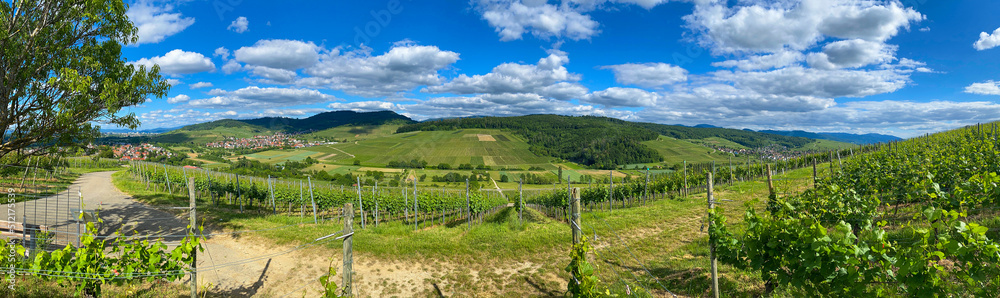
column 268, row 195
column 915, row 218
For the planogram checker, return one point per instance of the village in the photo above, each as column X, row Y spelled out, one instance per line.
column 140, row 152
column 278, row 140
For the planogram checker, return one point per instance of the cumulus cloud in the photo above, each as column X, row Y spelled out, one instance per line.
column 782, row 25
column 178, row 99
column 221, row 52
column 987, row 41
column 174, row 82
column 404, row 67
column 239, row 25
column 984, row 88
column 512, row 19
column 201, row 85
column 852, row 53
column 156, row 22
column 501, row 105
column 622, row 97
column 280, row 53
column 179, row 62
column 364, row 106
column 549, row 77
column 254, row 97
column 764, row 62
column 800, row 81
column 648, row 75
column 231, row 66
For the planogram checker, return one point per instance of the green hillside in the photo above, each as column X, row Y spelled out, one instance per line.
column 211, row 131
column 354, row 132
column 676, row 151
column 468, row 146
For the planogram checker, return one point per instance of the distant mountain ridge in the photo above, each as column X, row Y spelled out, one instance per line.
column 858, row 139
column 328, row 120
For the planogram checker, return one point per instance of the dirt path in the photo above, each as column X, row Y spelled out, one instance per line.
column 243, row 265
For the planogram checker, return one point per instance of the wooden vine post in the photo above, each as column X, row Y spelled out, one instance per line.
column 711, row 247
column 574, row 205
column 348, row 247
column 194, row 229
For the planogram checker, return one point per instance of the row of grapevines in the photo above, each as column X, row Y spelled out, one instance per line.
column 256, row 191
column 847, row 237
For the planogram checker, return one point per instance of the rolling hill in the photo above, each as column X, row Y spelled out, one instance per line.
column 858, row 139
column 219, row 129
column 328, row 120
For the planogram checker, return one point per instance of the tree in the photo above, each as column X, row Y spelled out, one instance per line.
column 61, row 72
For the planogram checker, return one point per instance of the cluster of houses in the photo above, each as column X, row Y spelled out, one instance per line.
column 769, row 153
column 278, row 140
column 139, row 152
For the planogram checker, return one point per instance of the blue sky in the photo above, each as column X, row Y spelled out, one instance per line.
column 862, row 66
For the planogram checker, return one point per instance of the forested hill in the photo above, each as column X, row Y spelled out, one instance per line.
column 328, row 120
column 594, row 141
column 746, row 138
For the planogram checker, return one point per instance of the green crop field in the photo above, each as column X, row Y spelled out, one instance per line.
column 354, row 133
column 469, row 146
column 676, row 151
column 282, row 155
column 201, row 137
column 825, row 145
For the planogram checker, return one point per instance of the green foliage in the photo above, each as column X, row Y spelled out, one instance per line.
column 64, row 68
column 329, row 284
column 96, row 262
column 583, row 282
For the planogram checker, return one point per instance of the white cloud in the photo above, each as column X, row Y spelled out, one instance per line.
column 275, row 75
column 179, row 62
column 984, row 88
column 648, row 75
column 254, row 97
column 178, row 99
column 782, row 25
column 201, row 85
column 501, row 105
column 364, row 106
column 239, row 25
column 987, row 41
column 512, row 19
column 221, row 52
column 231, row 66
column 623, row 97
column 729, row 100
column 174, row 82
column 156, row 23
column 549, row 77
column 764, row 62
column 404, row 67
column 800, row 81
column 852, row 53
column 280, row 53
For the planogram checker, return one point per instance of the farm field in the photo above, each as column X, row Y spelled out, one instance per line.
column 435, row 147
column 354, row 133
column 676, row 151
column 282, row 155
